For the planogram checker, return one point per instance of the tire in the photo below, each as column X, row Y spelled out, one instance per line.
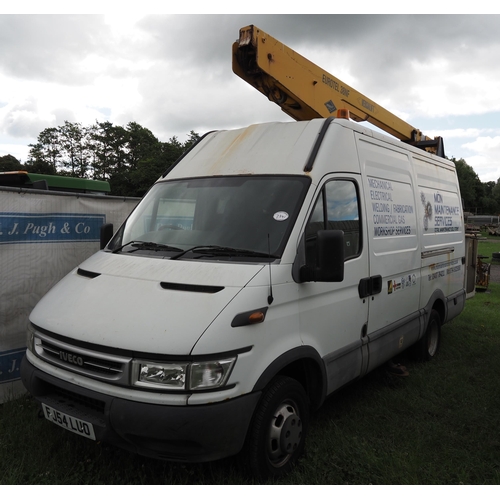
column 427, row 347
column 278, row 431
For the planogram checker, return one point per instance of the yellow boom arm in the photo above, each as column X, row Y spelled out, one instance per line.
column 305, row 91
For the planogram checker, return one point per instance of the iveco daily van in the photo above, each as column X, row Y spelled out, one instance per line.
column 269, row 267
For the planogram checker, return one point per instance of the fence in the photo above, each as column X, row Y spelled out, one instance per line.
column 43, row 236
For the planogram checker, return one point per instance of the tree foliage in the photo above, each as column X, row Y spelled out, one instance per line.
column 130, row 158
column 478, row 197
column 9, row 163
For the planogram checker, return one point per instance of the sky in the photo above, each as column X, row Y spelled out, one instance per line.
column 172, row 73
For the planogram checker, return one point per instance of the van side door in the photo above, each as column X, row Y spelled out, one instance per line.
column 391, row 212
column 332, row 315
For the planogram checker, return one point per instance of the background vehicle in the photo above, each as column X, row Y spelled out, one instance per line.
column 27, row 180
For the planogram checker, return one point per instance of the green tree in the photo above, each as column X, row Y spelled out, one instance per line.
column 140, row 151
column 170, row 153
column 9, row 163
column 471, row 187
column 107, row 148
column 131, row 158
column 75, row 156
column 488, row 202
column 37, row 165
column 495, row 194
column 47, row 151
column 147, row 160
column 193, row 137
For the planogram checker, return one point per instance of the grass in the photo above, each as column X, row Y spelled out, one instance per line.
column 488, row 246
column 438, row 426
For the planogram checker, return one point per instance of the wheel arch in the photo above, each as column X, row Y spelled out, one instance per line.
column 436, row 302
column 303, row 364
column 440, row 308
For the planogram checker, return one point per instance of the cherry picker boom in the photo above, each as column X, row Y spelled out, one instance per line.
column 305, row 91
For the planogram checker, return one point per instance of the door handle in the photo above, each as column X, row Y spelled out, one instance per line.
column 370, row 286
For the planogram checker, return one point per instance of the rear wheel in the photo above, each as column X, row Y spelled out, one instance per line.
column 427, row 347
column 278, row 431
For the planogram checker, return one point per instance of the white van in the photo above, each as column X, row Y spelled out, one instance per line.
column 269, row 267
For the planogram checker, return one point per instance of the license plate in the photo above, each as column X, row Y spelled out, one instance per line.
column 70, row 423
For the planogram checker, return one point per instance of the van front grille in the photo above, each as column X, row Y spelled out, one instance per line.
column 89, row 363
column 102, row 366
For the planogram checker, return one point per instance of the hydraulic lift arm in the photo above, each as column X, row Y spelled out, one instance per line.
column 305, row 91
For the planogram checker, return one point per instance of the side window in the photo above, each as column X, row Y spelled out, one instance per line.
column 337, row 207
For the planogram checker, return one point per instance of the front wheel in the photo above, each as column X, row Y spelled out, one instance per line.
column 278, row 430
column 427, row 347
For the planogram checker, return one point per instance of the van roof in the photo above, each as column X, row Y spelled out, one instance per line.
column 270, row 148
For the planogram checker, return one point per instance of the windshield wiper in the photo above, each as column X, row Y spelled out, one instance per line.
column 147, row 245
column 223, row 251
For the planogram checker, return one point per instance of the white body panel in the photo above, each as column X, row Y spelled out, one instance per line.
column 158, row 320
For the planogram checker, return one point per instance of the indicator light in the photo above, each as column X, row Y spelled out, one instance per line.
column 343, row 113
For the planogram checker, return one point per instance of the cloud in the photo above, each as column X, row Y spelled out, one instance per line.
column 28, row 117
column 50, row 47
column 458, row 133
column 486, row 161
column 23, row 119
column 488, row 145
column 487, row 168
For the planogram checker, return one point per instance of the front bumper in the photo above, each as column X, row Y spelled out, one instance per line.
column 180, row 433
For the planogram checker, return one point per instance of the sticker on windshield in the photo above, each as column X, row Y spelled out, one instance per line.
column 279, row 216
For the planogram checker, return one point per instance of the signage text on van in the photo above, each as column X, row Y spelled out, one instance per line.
column 443, row 269
column 393, row 215
column 440, row 214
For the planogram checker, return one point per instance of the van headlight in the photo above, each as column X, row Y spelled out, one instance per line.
column 189, row 376
column 30, row 338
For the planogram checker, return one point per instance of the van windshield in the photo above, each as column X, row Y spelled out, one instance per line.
column 243, row 217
